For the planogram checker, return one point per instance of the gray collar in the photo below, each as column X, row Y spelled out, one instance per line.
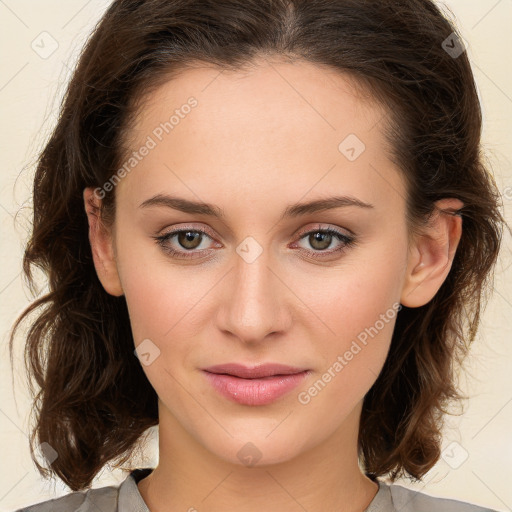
column 131, row 500
column 129, row 495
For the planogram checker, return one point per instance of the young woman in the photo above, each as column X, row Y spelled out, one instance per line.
column 268, row 230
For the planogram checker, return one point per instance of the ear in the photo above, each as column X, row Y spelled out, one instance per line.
column 102, row 245
column 431, row 254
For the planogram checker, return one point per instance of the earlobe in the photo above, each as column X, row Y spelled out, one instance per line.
column 432, row 254
column 101, row 245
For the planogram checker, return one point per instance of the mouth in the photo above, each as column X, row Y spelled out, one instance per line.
column 254, row 372
column 254, row 385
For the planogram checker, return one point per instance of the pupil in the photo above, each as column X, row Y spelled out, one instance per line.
column 188, row 238
column 321, row 237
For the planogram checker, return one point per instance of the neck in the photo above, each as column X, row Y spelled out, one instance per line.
column 190, row 477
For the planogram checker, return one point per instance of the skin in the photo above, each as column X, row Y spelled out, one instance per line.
column 258, row 141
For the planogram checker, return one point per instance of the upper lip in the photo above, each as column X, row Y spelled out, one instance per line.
column 254, row 372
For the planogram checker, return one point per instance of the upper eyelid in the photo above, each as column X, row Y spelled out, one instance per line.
column 297, row 234
column 174, row 231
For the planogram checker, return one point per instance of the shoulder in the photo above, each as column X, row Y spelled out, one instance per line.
column 409, row 500
column 92, row 500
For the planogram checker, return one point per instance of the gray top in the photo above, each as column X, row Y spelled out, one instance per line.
column 125, row 497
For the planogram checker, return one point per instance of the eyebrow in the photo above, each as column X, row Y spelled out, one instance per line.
column 292, row 210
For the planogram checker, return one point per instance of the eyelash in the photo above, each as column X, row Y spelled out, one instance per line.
column 348, row 241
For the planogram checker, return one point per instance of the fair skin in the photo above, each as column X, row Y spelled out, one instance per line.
column 257, row 142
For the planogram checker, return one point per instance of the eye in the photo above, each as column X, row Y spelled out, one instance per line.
column 320, row 239
column 189, row 241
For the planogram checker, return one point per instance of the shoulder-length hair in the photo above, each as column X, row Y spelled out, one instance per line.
column 94, row 401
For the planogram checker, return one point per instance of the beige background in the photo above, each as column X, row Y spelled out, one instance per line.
column 31, row 85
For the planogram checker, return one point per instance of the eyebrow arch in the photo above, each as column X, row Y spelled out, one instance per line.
column 293, row 210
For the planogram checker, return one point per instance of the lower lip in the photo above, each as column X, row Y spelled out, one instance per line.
column 260, row 391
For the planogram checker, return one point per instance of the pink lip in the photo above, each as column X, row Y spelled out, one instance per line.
column 259, row 385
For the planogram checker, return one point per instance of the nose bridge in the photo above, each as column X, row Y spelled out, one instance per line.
column 252, row 309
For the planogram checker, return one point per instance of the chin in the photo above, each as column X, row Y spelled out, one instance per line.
column 258, row 447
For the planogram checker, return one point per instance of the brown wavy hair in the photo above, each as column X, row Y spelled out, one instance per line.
column 94, row 401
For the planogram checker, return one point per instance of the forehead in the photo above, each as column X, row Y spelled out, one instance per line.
column 274, row 124
column 264, row 97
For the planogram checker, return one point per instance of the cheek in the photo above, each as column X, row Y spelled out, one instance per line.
column 164, row 303
column 360, row 307
column 357, row 312
column 161, row 303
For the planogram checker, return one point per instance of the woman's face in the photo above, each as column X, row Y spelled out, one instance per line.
column 259, row 286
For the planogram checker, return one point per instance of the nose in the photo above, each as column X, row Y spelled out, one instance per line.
column 255, row 301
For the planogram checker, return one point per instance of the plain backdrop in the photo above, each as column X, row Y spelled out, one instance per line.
column 40, row 40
